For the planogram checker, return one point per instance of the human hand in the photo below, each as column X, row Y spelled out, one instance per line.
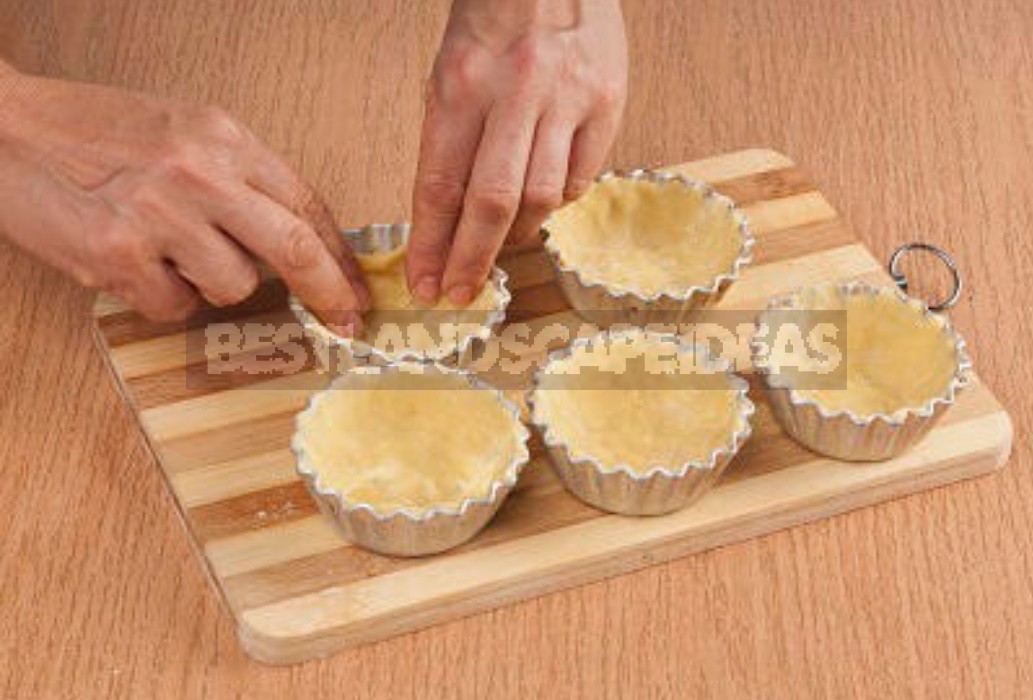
column 524, row 102
column 162, row 202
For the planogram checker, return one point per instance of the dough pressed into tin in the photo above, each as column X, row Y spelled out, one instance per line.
column 410, row 439
column 639, row 401
column 897, row 357
column 397, row 321
column 647, row 237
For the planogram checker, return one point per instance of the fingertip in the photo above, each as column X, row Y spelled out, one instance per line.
column 462, row 294
column 347, row 324
column 427, row 290
column 423, row 263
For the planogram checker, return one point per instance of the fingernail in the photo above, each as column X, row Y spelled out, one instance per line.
column 350, row 326
column 427, row 290
column 461, row 294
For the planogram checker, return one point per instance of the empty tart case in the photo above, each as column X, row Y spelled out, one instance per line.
column 841, row 433
column 337, row 353
column 402, row 532
column 661, row 488
column 606, row 305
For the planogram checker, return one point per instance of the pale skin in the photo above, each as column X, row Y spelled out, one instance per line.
column 166, row 204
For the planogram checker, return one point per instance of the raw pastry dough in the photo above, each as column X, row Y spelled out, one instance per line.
column 397, row 322
column 646, row 237
column 636, row 401
column 897, row 358
column 410, row 439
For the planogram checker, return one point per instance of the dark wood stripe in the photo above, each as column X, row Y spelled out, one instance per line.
column 287, row 502
column 544, row 507
column 539, row 504
column 774, row 184
column 201, row 378
column 528, row 511
column 534, row 302
column 253, row 511
column 808, row 239
column 238, row 441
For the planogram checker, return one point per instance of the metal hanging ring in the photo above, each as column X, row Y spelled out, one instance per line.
column 901, row 280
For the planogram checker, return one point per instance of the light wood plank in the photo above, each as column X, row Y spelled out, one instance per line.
column 224, row 450
column 513, row 570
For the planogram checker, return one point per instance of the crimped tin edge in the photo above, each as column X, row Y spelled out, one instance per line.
column 960, row 379
column 728, row 450
column 717, row 283
column 499, row 487
column 366, row 353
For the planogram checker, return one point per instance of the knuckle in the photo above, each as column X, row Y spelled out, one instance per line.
column 238, row 290
column 542, row 199
column 119, row 246
column 458, row 75
column 146, row 199
column 439, row 192
column 184, row 173
column 301, row 247
column 529, row 56
column 86, row 276
column 217, row 125
column 179, row 152
column 609, row 94
column 495, row 207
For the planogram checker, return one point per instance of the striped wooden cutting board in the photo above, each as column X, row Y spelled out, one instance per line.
column 297, row 590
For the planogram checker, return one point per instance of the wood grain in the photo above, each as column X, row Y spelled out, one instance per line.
column 914, row 118
column 297, row 590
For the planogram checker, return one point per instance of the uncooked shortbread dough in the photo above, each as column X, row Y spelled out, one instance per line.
column 646, row 237
column 640, row 402
column 397, row 321
column 410, row 439
column 897, row 358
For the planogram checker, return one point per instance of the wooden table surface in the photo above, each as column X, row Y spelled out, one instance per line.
column 914, row 117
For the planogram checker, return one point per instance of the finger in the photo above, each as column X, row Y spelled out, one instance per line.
column 491, row 200
column 269, row 175
column 160, row 294
column 588, row 152
column 448, row 146
column 546, row 177
column 295, row 251
column 215, row 265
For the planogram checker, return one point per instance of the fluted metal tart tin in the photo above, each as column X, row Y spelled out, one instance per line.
column 662, row 488
column 842, row 434
column 401, row 532
column 606, row 305
column 338, row 354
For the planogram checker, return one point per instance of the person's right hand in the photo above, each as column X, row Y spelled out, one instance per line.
column 162, row 202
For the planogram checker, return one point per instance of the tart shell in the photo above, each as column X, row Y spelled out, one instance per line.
column 842, row 434
column 339, row 354
column 606, row 305
column 661, row 489
column 402, row 532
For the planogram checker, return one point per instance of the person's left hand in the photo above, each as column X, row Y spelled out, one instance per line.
column 524, row 102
